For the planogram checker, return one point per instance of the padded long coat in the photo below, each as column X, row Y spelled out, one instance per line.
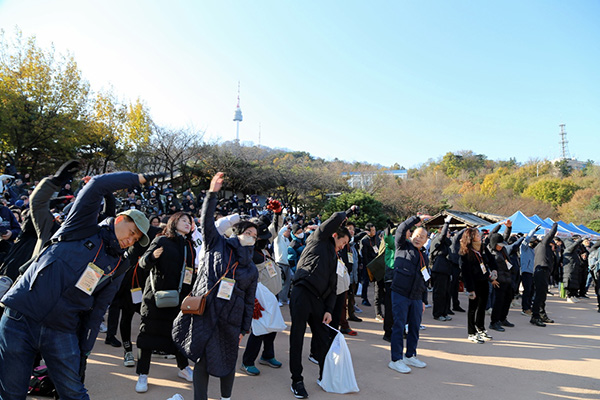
column 215, row 335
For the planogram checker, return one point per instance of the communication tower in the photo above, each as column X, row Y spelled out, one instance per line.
column 564, row 143
column 238, row 117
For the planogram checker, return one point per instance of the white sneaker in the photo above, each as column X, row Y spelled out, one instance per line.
column 475, row 339
column 186, row 374
column 142, row 384
column 571, row 300
column 177, row 396
column 103, row 328
column 399, row 366
column 414, row 362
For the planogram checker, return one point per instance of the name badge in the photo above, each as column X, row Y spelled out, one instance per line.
column 508, row 265
column 271, row 269
column 188, row 275
column 350, row 257
column 89, row 279
column 425, row 273
column 376, row 249
column 341, row 268
column 226, row 288
column 483, row 269
column 136, row 295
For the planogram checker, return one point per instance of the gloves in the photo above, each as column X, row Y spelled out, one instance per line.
column 275, row 206
column 65, row 172
column 149, row 177
column 257, row 310
column 354, row 210
column 448, row 219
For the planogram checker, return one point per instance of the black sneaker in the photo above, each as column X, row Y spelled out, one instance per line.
column 546, row 319
column 354, row 318
column 387, row 338
column 450, row 312
column 366, row 303
column 537, row 322
column 113, row 341
column 298, row 389
column 459, row 309
column 507, row 323
column 497, row 327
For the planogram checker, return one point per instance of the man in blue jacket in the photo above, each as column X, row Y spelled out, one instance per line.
column 57, row 306
column 408, row 285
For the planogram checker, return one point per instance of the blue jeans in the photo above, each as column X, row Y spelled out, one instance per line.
column 405, row 311
column 20, row 340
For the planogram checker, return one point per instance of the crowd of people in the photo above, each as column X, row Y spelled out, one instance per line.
column 75, row 255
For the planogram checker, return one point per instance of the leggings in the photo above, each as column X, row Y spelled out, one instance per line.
column 201, row 381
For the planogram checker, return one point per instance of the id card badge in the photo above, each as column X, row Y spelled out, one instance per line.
column 188, row 275
column 340, row 268
column 89, row 279
column 376, row 249
column 350, row 257
column 425, row 273
column 136, row 295
column 226, row 288
column 483, row 269
column 271, row 269
column 509, row 265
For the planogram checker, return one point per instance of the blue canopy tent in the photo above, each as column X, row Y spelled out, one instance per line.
column 564, row 226
column 520, row 224
column 575, row 228
column 595, row 235
column 548, row 225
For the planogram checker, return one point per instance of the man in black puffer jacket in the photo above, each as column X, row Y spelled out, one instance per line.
column 441, row 272
column 314, row 293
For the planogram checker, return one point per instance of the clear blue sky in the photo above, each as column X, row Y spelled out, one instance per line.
column 377, row 81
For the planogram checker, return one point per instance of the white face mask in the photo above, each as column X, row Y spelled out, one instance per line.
column 246, row 240
column 300, row 235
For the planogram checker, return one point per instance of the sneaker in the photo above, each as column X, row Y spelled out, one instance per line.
column 526, row 312
column 349, row 332
column 427, row 305
column 272, row 362
column 572, row 300
column 280, row 304
column 366, row 303
column 450, row 312
column 250, row 370
column 475, row 339
column 488, row 311
column 484, row 335
column 357, row 310
column 177, row 396
column 584, row 296
column 354, row 318
column 113, row 341
column 507, row 323
column 186, row 374
column 142, row 384
column 298, row 389
column 103, row 328
column 128, row 360
column 448, row 318
column 399, row 366
column 536, row 322
column 387, row 338
column 379, row 318
column 414, row 362
column 497, row 327
column 441, row 318
column 546, row 319
column 312, row 359
column 458, row 308
column 421, row 327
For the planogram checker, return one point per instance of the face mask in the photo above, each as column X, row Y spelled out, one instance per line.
column 300, row 236
column 246, row 240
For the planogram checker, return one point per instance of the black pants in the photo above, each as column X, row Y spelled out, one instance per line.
column 253, row 348
column 379, row 296
column 351, row 300
column 441, row 294
column 143, row 365
column 476, row 312
column 112, row 322
column 306, row 308
column 388, row 316
column 201, row 381
column 454, row 287
column 365, row 283
column 504, row 296
column 540, row 282
column 527, row 281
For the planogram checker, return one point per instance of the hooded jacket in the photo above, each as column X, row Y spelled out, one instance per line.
column 408, row 262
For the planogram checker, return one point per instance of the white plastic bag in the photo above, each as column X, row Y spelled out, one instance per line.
column 338, row 371
column 271, row 320
column 359, row 290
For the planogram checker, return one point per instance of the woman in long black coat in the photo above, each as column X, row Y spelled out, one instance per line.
column 212, row 339
column 170, row 260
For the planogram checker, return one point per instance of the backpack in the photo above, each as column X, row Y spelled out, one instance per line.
column 40, row 383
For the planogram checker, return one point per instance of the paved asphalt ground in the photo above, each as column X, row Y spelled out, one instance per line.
column 561, row 361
